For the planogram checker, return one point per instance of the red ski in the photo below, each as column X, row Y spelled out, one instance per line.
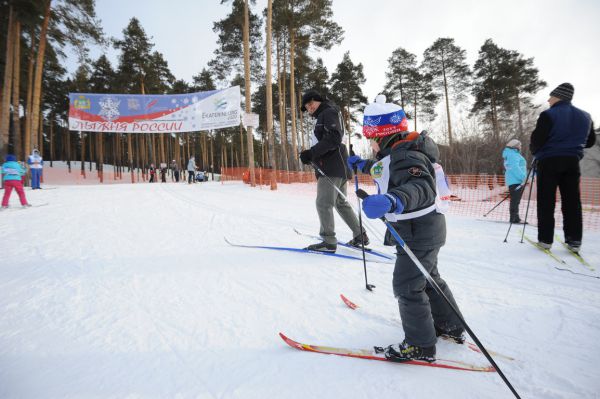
column 469, row 345
column 370, row 354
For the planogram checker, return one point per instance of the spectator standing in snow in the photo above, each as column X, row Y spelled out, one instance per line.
column 514, row 176
column 36, row 163
column 191, row 168
column 163, row 172
column 12, row 174
column 406, row 182
column 557, row 143
column 152, row 171
column 330, row 155
column 175, row 171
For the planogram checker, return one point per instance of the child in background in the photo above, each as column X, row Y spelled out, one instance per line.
column 13, row 173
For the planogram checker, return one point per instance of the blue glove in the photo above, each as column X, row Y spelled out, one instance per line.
column 355, row 161
column 376, row 206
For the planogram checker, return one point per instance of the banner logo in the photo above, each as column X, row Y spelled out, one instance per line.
column 81, row 103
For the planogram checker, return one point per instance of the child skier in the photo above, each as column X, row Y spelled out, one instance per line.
column 12, row 173
column 405, row 179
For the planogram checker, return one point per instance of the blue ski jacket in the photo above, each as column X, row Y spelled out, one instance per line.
column 514, row 165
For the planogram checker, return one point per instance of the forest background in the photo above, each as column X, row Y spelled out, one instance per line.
column 49, row 48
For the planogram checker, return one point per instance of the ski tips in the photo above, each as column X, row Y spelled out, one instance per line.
column 348, row 302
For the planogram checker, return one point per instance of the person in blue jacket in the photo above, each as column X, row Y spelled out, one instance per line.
column 12, row 173
column 36, row 164
column 557, row 143
column 514, row 176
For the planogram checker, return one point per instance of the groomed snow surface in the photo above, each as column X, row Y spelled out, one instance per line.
column 130, row 291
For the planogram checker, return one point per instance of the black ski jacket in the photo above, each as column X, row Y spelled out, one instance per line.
column 329, row 153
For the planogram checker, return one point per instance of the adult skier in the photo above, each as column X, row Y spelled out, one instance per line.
column 330, row 155
column 557, row 143
column 515, row 172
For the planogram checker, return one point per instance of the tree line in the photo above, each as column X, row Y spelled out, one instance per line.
column 270, row 54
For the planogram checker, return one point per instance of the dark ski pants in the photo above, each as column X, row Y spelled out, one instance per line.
column 421, row 307
column 190, row 176
column 515, row 200
column 327, row 199
column 561, row 172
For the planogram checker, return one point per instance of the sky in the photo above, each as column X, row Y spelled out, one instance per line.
column 560, row 36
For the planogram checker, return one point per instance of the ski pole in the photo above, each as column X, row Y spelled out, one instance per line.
column 497, row 205
column 362, row 194
column 533, row 170
column 362, row 236
column 517, row 189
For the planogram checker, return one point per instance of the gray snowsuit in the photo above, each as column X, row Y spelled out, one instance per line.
column 412, row 179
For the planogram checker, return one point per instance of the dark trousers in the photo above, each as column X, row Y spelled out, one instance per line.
column 190, row 177
column 515, row 199
column 561, row 172
column 421, row 307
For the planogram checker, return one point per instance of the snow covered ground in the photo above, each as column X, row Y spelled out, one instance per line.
column 130, row 291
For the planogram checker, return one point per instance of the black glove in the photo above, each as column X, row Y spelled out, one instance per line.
column 306, row 157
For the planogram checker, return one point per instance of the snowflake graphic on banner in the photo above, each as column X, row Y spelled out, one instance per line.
column 109, row 108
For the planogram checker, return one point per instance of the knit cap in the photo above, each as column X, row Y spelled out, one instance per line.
column 564, row 91
column 514, row 143
column 383, row 119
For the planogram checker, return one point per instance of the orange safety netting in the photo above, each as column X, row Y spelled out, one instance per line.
column 473, row 195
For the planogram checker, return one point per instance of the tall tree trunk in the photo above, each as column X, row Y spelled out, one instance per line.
column 7, row 86
column 301, row 130
column 519, row 114
column 18, row 143
column 270, row 133
column 82, row 153
column 28, row 104
column 37, row 77
column 447, row 104
column 161, row 145
column 247, row 81
column 51, row 152
column 415, row 111
column 282, row 116
column 294, row 155
column 212, row 157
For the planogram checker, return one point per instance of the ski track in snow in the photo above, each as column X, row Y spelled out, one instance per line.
column 130, row 291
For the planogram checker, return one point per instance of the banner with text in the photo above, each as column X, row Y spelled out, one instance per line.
column 172, row 113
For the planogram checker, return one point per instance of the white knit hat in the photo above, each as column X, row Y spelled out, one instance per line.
column 514, row 143
column 382, row 119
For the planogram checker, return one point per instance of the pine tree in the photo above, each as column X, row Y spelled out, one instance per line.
column 401, row 65
column 229, row 54
column 491, row 87
column 420, row 96
column 446, row 63
column 345, row 88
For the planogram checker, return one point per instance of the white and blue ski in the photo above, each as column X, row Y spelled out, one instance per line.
column 301, row 250
column 368, row 250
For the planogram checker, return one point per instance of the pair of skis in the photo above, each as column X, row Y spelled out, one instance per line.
column 556, row 257
column 375, row 354
column 375, row 256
